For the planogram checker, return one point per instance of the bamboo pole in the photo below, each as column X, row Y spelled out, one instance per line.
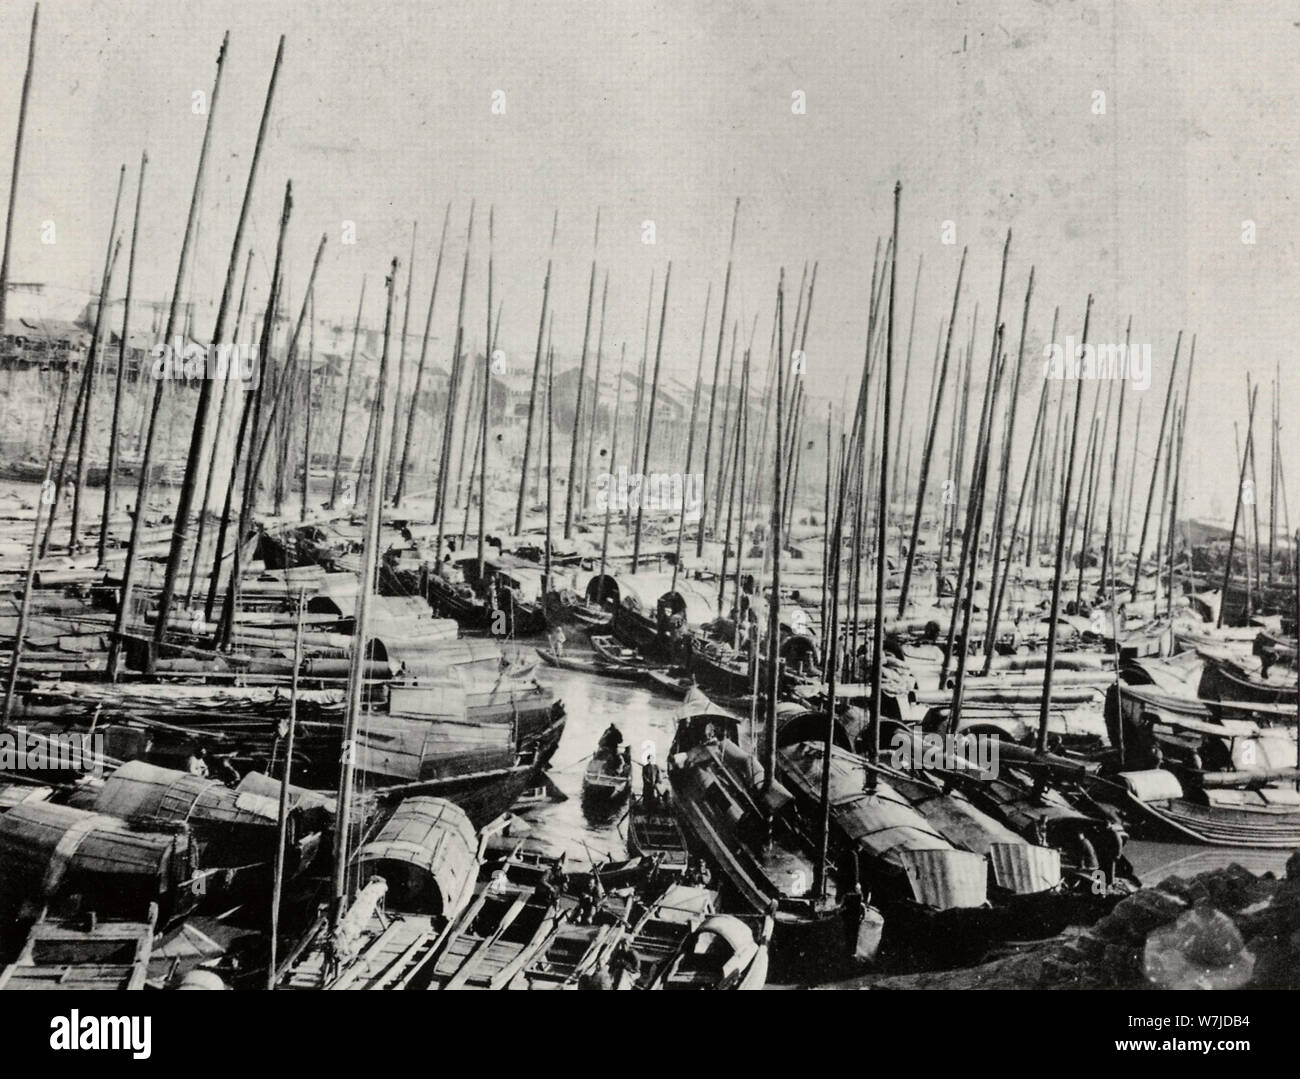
column 487, row 396
column 572, row 478
column 356, row 677
column 16, row 168
column 1004, row 478
column 717, row 377
column 453, row 390
column 390, row 469
column 96, row 343
column 774, row 619
column 250, row 423
column 1236, row 512
column 146, row 463
column 613, row 467
column 1155, row 470
column 286, row 776
column 1045, row 704
column 181, row 516
column 882, row 554
column 532, row 395
column 227, row 388
column 595, row 400
column 690, row 438
column 347, row 394
column 419, row 367
column 650, row 421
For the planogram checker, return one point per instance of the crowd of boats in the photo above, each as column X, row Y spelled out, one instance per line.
column 911, row 728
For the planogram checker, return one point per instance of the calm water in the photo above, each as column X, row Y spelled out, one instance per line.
column 593, row 703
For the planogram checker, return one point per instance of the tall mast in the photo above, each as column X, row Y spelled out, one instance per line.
column 419, row 368
column 146, row 464
column 1004, row 477
column 1155, row 470
column 286, row 777
column 255, row 452
column 1114, row 466
column 390, row 478
column 357, row 664
column 453, row 388
column 487, row 394
column 306, row 449
column 1045, row 705
column 537, row 368
column 193, row 462
column 92, row 355
column 582, row 380
column 690, row 438
column 717, row 376
column 113, row 434
column 650, row 421
column 347, row 397
column 774, row 616
column 613, row 465
column 1236, row 512
column 226, row 391
column 595, row 399
column 13, row 176
column 928, row 455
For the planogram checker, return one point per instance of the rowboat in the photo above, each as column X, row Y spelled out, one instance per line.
column 588, row 666
column 515, row 911
column 722, row 952
column 608, row 778
column 421, row 866
column 610, row 651
column 80, row 953
column 653, row 832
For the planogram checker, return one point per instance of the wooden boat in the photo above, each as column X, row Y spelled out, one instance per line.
column 587, row 666
column 1045, row 800
column 612, row 652
column 653, row 832
column 565, row 608
column 657, row 934
column 1222, row 782
column 607, row 779
column 419, row 873
column 747, row 828
column 674, row 682
column 81, row 953
column 719, row 668
column 233, row 829
column 56, row 855
column 515, row 911
column 1225, row 678
column 722, row 952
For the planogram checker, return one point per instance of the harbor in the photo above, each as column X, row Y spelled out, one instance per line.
column 503, row 603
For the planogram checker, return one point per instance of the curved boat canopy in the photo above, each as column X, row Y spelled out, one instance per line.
column 427, row 853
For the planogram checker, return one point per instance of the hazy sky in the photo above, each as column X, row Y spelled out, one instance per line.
column 666, row 112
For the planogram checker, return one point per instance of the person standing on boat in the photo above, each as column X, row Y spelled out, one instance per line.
column 557, row 641
column 650, row 781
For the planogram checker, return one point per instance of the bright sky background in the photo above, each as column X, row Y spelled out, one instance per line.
column 667, row 111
